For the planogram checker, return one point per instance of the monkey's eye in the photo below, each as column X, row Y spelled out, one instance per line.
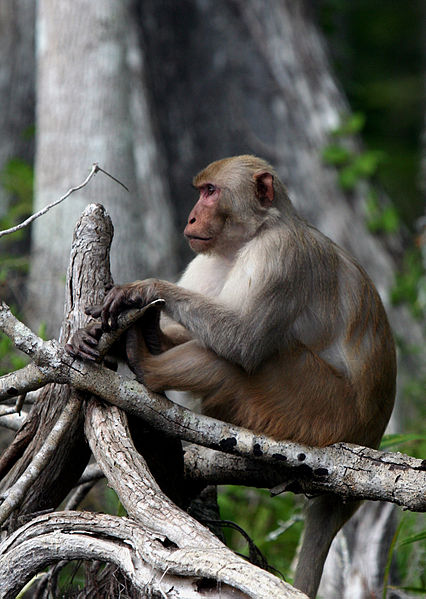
column 210, row 189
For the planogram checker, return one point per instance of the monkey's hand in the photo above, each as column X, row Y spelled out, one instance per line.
column 84, row 342
column 124, row 297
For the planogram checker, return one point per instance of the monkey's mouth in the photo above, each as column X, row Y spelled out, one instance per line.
column 195, row 238
column 199, row 244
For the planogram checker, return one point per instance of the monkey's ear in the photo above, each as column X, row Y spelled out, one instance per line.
column 264, row 188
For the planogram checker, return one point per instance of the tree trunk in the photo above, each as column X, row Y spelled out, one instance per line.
column 17, row 62
column 88, row 274
column 92, row 107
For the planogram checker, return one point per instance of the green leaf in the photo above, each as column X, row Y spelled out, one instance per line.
column 348, row 178
column 351, row 125
column 399, row 439
column 367, row 163
column 336, row 155
column 390, row 220
column 421, row 536
column 389, row 559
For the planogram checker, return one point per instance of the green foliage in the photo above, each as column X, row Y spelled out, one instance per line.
column 356, row 167
column 353, row 167
column 112, row 503
column 410, row 283
column 336, row 155
column 378, row 53
column 389, row 561
column 42, row 331
column 421, row 536
column 410, row 553
column 395, row 441
column 380, row 219
column 12, row 264
column 352, row 124
column 274, row 524
column 17, row 178
column 71, row 577
column 10, row 359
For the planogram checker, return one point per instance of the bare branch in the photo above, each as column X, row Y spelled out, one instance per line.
column 348, row 470
column 95, row 168
column 218, row 468
column 16, row 493
column 31, row 377
column 151, row 564
column 13, row 421
column 196, row 551
column 6, row 410
column 78, row 495
column 19, row 382
column 92, row 472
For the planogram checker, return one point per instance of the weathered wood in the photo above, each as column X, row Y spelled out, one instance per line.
column 146, row 558
column 88, row 273
column 349, row 470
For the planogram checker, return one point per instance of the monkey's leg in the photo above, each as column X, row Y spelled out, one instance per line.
column 325, row 515
column 191, row 367
column 163, row 454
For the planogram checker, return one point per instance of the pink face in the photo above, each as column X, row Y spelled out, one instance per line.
column 205, row 222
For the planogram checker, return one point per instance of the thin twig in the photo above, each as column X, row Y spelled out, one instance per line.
column 95, row 168
column 20, row 402
column 113, row 178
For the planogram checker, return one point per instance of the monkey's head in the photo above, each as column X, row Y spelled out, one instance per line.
column 237, row 195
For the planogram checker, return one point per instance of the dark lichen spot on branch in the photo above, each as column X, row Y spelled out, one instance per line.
column 228, row 444
column 257, row 450
column 280, row 457
column 321, row 472
column 304, row 470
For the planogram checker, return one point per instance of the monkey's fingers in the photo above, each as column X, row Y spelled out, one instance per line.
column 115, row 304
column 84, row 342
column 91, row 355
column 94, row 311
column 115, row 310
column 94, row 331
column 105, row 313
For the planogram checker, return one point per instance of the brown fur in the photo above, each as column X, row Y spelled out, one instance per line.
column 287, row 334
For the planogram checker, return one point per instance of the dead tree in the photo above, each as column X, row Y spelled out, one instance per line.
column 158, row 550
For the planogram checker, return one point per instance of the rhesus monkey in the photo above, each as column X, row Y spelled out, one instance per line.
column 273, row 326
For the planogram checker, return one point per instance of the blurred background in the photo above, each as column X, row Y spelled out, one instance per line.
column 330, row 92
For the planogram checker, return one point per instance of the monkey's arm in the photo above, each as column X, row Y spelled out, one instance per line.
column 263, row 296
column 245, row 339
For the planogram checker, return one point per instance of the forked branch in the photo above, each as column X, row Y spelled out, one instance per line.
column 348, row 470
